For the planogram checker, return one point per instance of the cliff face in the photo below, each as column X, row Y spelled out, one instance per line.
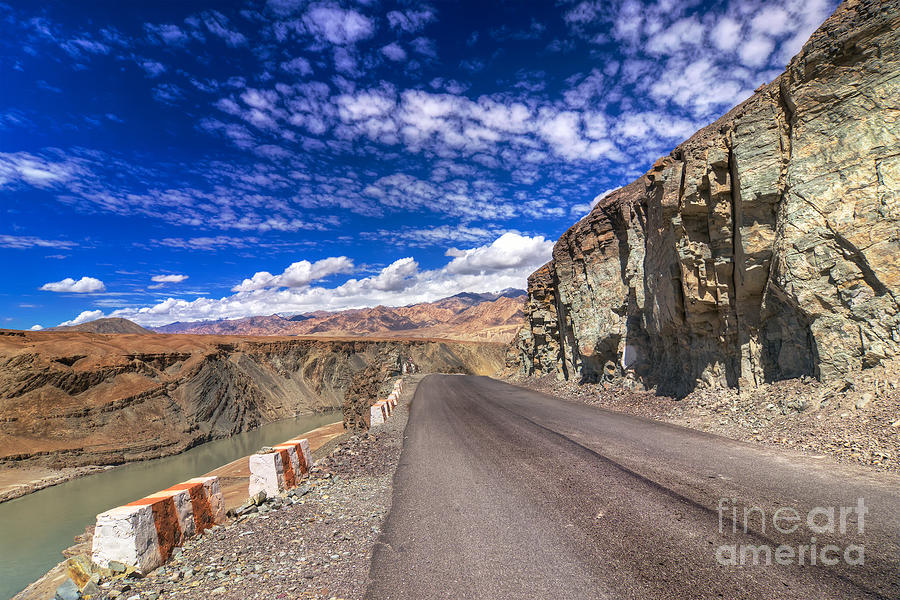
column 765, row 247
column 72, row 398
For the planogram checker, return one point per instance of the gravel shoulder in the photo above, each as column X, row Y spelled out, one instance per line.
column 315, row 542
column 856, row 421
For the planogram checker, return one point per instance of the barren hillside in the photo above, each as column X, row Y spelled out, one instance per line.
column 73, row 398
column 474, row 317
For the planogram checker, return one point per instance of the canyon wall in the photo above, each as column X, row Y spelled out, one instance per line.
column 765, row 247
column 73, row 398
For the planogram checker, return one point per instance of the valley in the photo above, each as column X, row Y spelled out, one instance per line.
column 71, row 399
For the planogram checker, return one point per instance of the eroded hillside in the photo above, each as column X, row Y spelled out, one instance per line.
column 72, row 398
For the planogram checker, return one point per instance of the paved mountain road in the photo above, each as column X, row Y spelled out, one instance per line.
column 506, row 493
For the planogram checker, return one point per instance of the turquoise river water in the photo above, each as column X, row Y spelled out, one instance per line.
column 35, row 528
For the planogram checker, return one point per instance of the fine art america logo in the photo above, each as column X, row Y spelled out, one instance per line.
column 802, row 525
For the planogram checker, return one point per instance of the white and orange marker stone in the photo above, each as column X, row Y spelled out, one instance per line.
column 291, row 462
column 304, row 454
column 267, row 473
column 144, row 533
column 376, row 416
column 212, row 494
column 127, row 534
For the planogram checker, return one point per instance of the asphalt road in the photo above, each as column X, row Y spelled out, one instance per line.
column 504, row 493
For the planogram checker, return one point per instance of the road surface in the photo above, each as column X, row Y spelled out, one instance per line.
column 504, row 493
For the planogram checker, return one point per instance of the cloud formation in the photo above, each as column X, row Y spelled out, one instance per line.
column 503, row 263
column 83, row 317
column 26, row 241
column 168, row 278
column 298, row 275
column 85, row 285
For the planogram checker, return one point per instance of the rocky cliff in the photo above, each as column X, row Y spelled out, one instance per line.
column 73, row 398
column 764, row 247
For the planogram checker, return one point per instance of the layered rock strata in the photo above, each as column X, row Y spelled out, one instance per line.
column 764, row 247
column 69, row 399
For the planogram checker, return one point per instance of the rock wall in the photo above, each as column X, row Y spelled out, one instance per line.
column 71, row 399
column 765, row 247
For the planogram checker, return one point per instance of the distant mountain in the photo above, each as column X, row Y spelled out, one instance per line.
column 108, row 325
column 466, row 316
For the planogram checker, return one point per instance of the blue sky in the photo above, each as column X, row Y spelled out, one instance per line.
column 179, row 161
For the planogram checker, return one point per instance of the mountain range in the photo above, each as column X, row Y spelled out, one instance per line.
column 490, row 317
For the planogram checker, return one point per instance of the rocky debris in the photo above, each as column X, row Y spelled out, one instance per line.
column 854, row 421
column 763, row 248
column 314, row 541
column 364, row 391
column 373, row 383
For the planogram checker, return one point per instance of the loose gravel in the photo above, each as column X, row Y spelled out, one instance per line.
column 853, row 421
column 313, row 542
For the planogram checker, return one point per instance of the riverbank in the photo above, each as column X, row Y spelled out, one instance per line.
column 234, row 476
column 20, row 480
column 16, row 482
column 316, row 543
column 34, row 547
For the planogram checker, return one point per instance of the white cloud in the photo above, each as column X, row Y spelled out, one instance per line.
column 394, row 52
column 36, row 327
column 504, row 263
column 771, row 20
column 85, row 285
column 397, row 276
column 509, row 251
column 580, row 210
column 168, row 93
column 410, row 21
column 298, row 275
column 337, row 25
column 284, row 8
column 297, row 66
column 84, row 317
column 207, row 243
column 685, row 32
column 20, row 242
column 726, row 35
column 432, row 236
column 583, row 12
column 654, row 126
column 219, row 25
column 168, row 278
column 41, row 172
column 152, row 68
column 166, row 34
column 756, row 51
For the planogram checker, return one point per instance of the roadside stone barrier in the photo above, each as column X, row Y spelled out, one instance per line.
column 280, row 467
column 381, row 410
column 142, row 534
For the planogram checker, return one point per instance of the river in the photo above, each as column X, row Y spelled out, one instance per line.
column 37, row 527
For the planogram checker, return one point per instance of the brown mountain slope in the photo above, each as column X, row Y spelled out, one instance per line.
column 69, row 398
column 108, row 325
column 475, row 317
